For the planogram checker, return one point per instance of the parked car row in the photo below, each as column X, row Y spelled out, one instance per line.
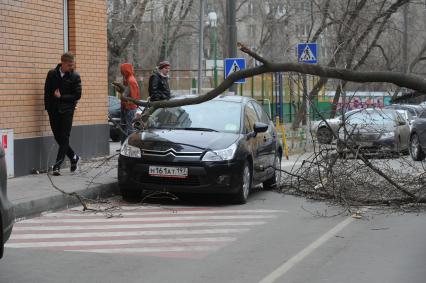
column 396, row 129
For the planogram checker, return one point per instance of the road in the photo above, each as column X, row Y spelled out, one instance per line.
column 273, row 238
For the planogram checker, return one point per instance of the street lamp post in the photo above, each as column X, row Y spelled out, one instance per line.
column 200, row 46
column 213, row 25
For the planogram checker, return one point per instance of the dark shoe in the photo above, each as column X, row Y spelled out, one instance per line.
column 56, row 171
column 74, row 163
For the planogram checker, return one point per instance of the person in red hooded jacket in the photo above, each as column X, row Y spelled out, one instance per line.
column 128, row 109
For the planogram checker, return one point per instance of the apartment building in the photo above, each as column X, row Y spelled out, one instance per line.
column 33, row 35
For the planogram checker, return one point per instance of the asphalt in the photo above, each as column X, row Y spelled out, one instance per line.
column 94, row 179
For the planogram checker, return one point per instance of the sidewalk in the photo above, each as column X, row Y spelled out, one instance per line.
column 34, row 194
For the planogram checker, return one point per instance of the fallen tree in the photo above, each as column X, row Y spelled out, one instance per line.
column 399, row 79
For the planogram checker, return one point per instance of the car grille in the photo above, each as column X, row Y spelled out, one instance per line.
column 170, row 151
column 368, row 137
column 189, row 181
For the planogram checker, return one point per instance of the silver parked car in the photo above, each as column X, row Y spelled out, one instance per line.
column 376, row 130
column 407, row 117
column 6, row 212
column 324, row 132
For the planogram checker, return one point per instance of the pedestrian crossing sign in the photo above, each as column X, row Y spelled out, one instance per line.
column 307, row 53
column 233, row 65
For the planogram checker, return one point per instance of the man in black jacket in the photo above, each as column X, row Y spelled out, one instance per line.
column 62, row 90
column 159, row 82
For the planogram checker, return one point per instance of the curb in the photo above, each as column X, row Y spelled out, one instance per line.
column 61, row 201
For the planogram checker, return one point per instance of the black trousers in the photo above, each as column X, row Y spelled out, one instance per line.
column 61, row 124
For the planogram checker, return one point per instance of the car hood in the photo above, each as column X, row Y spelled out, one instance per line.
column 332, row 122
column 181, row 140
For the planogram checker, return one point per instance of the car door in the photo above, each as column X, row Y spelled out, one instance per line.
column 250, row 117
column 403, row 130
column 267, row 147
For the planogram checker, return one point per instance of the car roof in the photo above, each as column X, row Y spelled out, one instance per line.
column 378, row 110
column 222, row 97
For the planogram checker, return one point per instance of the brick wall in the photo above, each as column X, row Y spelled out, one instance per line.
column 31, row 43
column 88, row 41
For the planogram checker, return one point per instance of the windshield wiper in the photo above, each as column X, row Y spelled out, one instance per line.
column 199, row 129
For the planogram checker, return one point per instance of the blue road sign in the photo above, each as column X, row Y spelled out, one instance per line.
column 307, row 53
column 233, row 65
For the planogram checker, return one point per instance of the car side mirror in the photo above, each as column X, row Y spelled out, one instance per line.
column 402, row 123
column 260, row 127
column 137, row 125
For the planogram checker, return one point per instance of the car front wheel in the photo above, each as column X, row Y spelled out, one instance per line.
column 324, row 136
column 416, row 151
column 245, row 185
column 275, row 180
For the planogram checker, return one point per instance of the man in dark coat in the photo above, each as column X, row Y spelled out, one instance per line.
column 62, row 91
column 159, row 82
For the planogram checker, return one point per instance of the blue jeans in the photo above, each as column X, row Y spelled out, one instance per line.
column 126, row 118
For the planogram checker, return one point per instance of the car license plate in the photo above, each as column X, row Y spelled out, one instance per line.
column 169, row 172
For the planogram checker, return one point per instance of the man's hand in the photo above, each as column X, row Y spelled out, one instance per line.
column 57, row 93
column 119, row 87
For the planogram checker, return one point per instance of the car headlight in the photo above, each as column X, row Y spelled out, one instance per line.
column 130, row 151
column 387, row 135
column 220, row 155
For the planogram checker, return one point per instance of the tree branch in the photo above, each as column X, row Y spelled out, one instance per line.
column 402, row 80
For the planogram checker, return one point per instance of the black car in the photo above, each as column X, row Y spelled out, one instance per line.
column 418, row 138
column 226, row 145
column 114, row 109
column 6, row 212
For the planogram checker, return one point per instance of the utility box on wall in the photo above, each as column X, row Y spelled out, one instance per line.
column 7, row 141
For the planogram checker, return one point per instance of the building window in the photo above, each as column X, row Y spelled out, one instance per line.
column 66, row 41
column 250, row 8
column 307, row 29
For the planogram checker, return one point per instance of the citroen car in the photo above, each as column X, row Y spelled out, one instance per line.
column 226, row 145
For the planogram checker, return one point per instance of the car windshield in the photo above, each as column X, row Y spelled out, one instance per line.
column 372, row 117
column 218, row 116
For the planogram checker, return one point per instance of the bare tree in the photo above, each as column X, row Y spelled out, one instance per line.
column 356, row 38
column 123, row 18
column 175, row 13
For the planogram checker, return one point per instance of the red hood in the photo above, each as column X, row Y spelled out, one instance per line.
column 127, row 70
